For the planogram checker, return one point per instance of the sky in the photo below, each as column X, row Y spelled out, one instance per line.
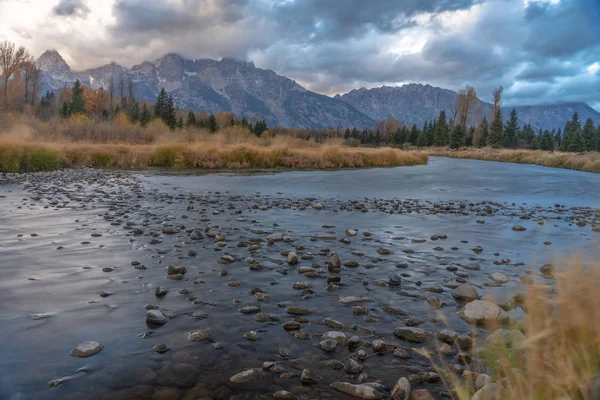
column 541, row 51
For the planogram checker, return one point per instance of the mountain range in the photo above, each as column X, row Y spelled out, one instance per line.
column 250, row 92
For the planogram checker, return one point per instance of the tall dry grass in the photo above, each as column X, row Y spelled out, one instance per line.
column 558, row 354
column 589, row 162
column 80, row 142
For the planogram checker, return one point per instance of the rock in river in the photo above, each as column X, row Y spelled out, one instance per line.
column 156, row 317
column 402, row 390
column 87, row 349
column 199, row 335
column 310, row 377
column 480, row 312
column 247, row 376
column 465, row 292
column 416, row 335
column 360, row 391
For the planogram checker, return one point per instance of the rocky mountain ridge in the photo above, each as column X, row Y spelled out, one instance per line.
column 251, row 92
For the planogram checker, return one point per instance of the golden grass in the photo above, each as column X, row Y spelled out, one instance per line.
column 212, row 154
column 559, row 355
column 589, row 162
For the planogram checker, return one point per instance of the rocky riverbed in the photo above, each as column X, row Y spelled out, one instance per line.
column 119, row 286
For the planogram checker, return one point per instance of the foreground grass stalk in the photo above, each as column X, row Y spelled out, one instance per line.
column 553, row 352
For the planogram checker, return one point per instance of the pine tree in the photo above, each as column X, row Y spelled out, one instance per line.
column 191, row 119
column 145, row 117
column 422, row 139
column 212, row 124
column 180, row 123
column 457, row 137
column 547, row 141
column 440, row 133
column 577, row 142
column 77, row 105
column 169, row 113
column 494, row 138
column 589, row 135
column 511, row 130
column 64, row 111
column 398, row 137
column 571, row 128
column 134, row 114
column 469, row 136
column 160, row 103
column 414, row 135
column 484, row 126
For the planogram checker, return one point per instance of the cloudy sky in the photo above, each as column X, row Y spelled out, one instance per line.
column 541, row 51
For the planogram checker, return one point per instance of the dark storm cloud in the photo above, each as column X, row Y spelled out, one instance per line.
column 332, row 46
column 69, row 8
column 143, row 16
column 324, row 20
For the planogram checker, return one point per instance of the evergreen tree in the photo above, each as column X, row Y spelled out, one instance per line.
column 547, row 141
column 535, row 143
column 558, row 138
column 212, row 124
column 398, row 137
column 469, row 137
column 457, row 137
column 422, row 139
column 160, row 103
column 77, row 105
column 145, row 117
column 484, row 126
column 494, row 138
column 412, row 135
column 180, row 123
column 191, row 119
column 589, row 135
column 511, row 130
column 134, row 114
column 64, row 111
column 577, row 142
column 571, row 128
column 117, row 110
column 259, row 127
column 440, row 133
column 105, row 115
column 169, row 113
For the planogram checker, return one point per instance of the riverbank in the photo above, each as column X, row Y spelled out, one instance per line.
column 588, row 162
column 19, row 156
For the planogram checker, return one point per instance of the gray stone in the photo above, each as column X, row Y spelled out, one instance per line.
column 247, row 376
column 465, row 292
column 359, row 391
column 156, row 317
column 416, row 335
column 480, row 312
column 87, row 349
column 402, row 390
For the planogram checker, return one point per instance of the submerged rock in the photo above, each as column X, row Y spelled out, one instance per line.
column 87, row 349
column 360, row 391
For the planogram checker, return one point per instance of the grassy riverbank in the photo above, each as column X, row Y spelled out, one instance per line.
column 589, row 162
column 21, row 156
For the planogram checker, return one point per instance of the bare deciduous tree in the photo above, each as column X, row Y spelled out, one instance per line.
column 31, row 77
column 497, row 94
column 11, row 59
column 465, row 103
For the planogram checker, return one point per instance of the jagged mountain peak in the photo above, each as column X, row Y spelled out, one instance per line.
column 51, row 60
